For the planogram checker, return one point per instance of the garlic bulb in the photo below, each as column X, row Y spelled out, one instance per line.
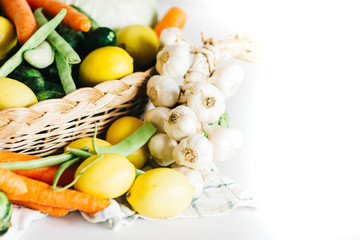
column 172, row 36
column 156, row 116
column 195, row 152
column 195, row 178
column 226, row 142
column 162, row 91
column 206, row 100
column 181, row 122
column 173, row 60
column 227, row 78
column 161, row 148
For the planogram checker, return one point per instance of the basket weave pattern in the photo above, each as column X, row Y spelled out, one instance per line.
column 47, row 126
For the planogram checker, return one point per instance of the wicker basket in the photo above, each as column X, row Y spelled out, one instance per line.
column 46, row 127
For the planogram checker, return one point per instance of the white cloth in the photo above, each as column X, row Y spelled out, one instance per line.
column 220, row 195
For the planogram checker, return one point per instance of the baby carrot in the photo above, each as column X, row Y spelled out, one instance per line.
column 41, row 193
column 53, row 211
column 23, row 18
column 11, row 183
column 73, row 18
column 175, row 17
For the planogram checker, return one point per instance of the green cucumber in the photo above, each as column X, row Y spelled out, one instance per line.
column 71, row 36
column 100, row 37
column 5, row 213
column 36, row 84
column 47, row 94
column 23, row 73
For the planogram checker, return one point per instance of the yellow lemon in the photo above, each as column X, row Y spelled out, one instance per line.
column 103, row 64
column 15, row 94
column 121, row 129
column 87, row 142
column 140, row 41
column 160, row 193
column 109, row 177
column 8, row 38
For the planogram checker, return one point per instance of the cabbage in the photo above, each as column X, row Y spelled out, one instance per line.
column 117, row 14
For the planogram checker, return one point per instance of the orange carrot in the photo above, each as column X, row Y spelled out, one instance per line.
column 44, row 174
column 41, row 193
column 11, row 183
column 23, row 18
column 175, row 17
column 53, row 211
column 73, row 18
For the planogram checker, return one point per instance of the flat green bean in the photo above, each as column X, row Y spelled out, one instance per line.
column 38, row 37
column 57, row 41
column 64, row 70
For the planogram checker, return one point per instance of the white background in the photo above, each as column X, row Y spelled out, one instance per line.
column 299, row 111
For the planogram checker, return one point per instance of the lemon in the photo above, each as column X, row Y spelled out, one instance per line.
column 160, row 193
column 8, row 38
column 15, row 94
column 103, row 64
column 109, row 177
column 87, row 142
column 121, row 129
column 140, row 41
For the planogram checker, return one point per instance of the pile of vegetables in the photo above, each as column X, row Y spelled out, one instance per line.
column 182, row 136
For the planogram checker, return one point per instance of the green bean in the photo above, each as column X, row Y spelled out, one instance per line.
column 57, row 41
column 79, row 174
column 38, row 163
column 130, row 144
column 64, row 70
column 82, row 153
column 38, row 37
column 61, row 169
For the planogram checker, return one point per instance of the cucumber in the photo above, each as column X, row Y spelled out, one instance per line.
column 100, row 37
column 70, row 35
column 5, row 213
column 36, row 84
column 23, row 73
column 47, row 94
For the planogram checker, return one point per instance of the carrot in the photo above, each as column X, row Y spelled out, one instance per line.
column 23, row 18
column 41, row 193
column 11, row 183
column 53, row 211
column 73, row 18
column 44, row 174
column 175, row 17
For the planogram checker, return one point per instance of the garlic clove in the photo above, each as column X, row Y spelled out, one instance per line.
column 181, row 122
column 173, row 61
column 227, row 78
column 195, row 152
column 226, row 142
column 156, row 116
column 195, row 178
column 161, row 148
column 207, row 101
column 163, row 91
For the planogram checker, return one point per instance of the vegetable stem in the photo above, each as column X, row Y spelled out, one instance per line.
column 61, row 169
column 38, row 37
column 57, row 41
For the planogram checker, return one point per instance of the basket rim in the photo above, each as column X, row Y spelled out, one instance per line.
column 97, row 87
